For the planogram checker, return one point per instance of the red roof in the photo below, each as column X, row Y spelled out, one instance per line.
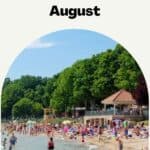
column 120, row 97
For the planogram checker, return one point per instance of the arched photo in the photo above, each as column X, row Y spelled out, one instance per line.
column 75, row 89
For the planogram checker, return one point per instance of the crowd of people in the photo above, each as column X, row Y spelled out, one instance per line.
column 117, row 129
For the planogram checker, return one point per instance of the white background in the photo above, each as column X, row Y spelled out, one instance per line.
column 126, row 21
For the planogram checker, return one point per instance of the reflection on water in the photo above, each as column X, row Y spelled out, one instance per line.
column 40, row 143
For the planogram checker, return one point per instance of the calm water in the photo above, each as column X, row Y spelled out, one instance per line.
column 40, row 143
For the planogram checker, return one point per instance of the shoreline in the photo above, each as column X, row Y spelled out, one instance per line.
column 92, row 142
column 110, row 144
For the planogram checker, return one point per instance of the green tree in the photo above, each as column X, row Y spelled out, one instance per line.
column 103, row 82
column 83, row 77
column 49, row 89
column 62, row 96
column 37, row 110
column 128, row 72
column 10, row 95
column 29, row 82
column 23, row 108
column 7, row 81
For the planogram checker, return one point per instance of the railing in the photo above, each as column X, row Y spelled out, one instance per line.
column 109, row 112
column 97, row 113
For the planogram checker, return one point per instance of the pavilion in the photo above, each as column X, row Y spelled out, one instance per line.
column 121, row 97
column 124, row 107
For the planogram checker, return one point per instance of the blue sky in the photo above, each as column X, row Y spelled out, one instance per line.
column 52, row 53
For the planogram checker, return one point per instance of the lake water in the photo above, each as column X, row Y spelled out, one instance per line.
column 26, row 142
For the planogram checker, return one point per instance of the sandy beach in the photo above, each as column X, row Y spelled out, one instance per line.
column 107, row 143
column 128, row 144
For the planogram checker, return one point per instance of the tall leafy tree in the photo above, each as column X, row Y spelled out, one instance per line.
column 23, row 108
column 62, row 95
column 10, row 95
column 103, row 82
column 83, row 71
column 128, row 72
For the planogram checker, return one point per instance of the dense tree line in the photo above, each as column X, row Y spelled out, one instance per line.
column 85, row 83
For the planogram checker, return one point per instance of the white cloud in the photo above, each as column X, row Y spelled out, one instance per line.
column 40, row 44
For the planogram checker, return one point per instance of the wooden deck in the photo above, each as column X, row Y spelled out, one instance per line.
column 101, row 118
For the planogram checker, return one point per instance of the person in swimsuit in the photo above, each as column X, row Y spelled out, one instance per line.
column 12, row 141
column 50, row 144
